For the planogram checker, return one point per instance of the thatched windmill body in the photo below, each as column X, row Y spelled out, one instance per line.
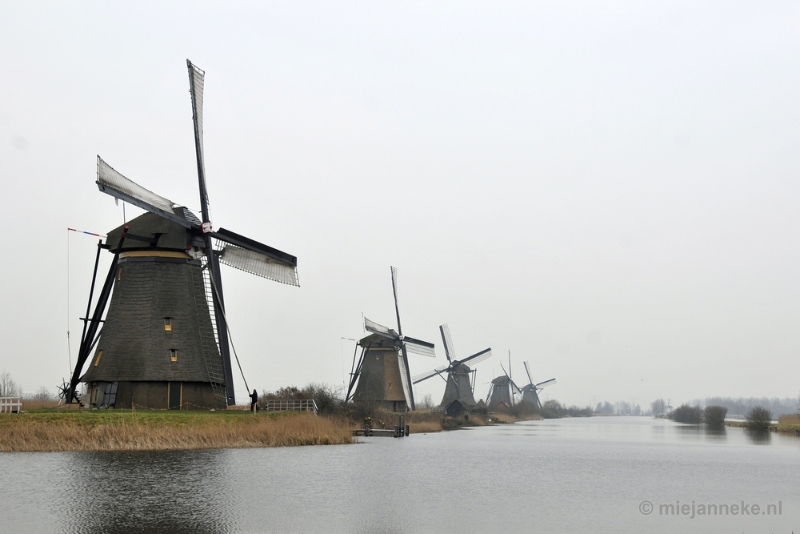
column 460, row 382
column 164, row 342
column 380, row 376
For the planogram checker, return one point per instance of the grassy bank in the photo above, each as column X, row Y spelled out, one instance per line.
column 117, row 430
column 789, row 424
column 425, row 420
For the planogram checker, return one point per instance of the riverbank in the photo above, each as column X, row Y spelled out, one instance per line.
column 789, row 424
column 118, row 430
column 427, row 421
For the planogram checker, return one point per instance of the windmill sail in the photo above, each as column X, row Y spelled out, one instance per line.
column 423, row 348
column 416, row 379
column 401, row 363
column 449, row 348
column 112, row 182
column 372, row 326
column 196, row 86
column 258, row 264
column 477, row 358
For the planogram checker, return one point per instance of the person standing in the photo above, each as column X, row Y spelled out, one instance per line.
column 254, row 401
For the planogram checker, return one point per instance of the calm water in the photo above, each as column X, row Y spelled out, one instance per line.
column 571, row 475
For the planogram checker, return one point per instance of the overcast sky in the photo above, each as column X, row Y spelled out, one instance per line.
column 608, row 190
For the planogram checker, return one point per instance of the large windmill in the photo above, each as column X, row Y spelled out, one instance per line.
column 530, row 393
column 160, row 345
column 381, row 375
column 460, row 383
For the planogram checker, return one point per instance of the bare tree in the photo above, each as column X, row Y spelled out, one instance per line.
column 8, row 388
column 426, row 403
column 42, row 394
column 659, row 407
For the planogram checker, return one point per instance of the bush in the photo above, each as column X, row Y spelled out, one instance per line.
column 715, row 415
column 684, row 413
column 759, row 418
column 326, row 396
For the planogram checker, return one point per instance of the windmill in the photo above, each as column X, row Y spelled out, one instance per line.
column 460, row 383
column 503, row 390
column 382, row 373
column 530, row 393
column 164, row 342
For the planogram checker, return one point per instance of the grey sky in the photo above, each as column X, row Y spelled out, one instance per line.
column 609, row 190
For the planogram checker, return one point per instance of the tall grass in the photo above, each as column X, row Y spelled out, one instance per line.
column 164, row 431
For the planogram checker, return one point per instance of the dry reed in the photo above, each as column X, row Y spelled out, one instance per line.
column 424, row 426
column 143, row 431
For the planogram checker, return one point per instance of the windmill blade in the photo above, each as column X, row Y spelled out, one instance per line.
column 528, row 371
column 112, row 182
column 379, row 329
column 514, row 387
column 546, row 383
column 256, row 258
column 405, row 377
column 396, row 305
column 416, row 379
column 417, row 346
column 449, row 348
column 254, row 246
column 196, row 86
column 478, row 357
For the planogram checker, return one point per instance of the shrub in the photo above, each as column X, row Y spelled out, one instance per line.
column 715, row 415
column 326, row 396
column 759, row 418
column 687, row 414
column 552, row 409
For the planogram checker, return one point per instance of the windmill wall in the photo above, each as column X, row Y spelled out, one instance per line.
column 380, row 383
column 464, row 390
column 500, row 393
column 157, row 334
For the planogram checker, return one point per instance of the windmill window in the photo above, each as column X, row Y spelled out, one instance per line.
column 119, row 274
column 168, row 324
column 173, row 355
column 97, row 358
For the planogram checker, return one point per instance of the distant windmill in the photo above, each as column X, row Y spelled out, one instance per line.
column 160, row 346
column 530, row 393
column 460, row 384
column 381, row 376
column 503, row 390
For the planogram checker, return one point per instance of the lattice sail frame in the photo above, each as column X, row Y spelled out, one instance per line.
column 256, row 263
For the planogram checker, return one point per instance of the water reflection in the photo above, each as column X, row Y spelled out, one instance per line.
column 759, row 437
column 146, row 492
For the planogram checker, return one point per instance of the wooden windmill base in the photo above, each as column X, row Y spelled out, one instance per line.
column 153, row 395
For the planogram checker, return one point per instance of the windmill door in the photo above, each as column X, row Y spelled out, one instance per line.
column 175, row 395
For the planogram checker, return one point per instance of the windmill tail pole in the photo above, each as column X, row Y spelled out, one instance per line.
column 353, row 370
column 92, row 324
column 91, row 294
